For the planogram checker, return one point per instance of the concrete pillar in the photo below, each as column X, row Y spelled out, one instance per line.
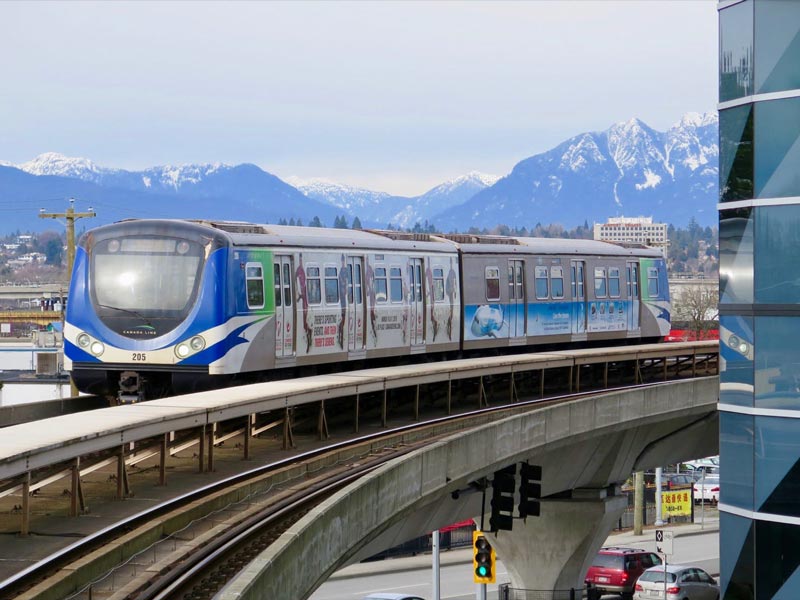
column 554, row 551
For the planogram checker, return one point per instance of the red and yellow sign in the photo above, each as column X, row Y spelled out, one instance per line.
column 677, row 503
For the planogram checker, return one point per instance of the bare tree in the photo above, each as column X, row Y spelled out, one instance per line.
column 698, row 306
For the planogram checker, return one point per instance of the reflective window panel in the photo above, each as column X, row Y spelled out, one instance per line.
column 736, row 51
column 736, row 360
column 777, row 151
column 777, row 43
column 736, row 558
column 736, row 153
column 777, row 466
column 777, row 235
column 736, row 256
column 778, row 556
column 777, row 363
column 736, row 472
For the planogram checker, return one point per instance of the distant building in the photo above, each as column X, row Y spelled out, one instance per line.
column 633, row 230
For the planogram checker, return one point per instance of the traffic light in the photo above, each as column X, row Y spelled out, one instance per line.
column 503, row 486
column 483, row 558
column 530, row 490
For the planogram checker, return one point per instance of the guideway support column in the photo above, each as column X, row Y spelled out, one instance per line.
column 554, row 550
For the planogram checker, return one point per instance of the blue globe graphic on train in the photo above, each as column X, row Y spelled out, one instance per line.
column 488, row 320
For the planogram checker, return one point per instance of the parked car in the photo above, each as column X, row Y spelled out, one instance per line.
column 676, row 481
column 682, row 582
column 387, row 596
column 707, row 489
column 615, row 570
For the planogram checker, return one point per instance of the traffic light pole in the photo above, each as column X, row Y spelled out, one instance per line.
column 436, row 578
column 480, row 592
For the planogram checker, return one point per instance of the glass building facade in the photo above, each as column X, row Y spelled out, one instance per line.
column 759, row 209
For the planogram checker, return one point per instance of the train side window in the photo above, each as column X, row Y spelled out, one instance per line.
column 557, row 282
column 357, row 283
column 613, row 282
column 254, row 276
column 313, row 286
column 652, row 281
column 331, row 286
column 276, row 279
column 438, row 285
column 600, row 282
column 287, row 285
column 492, row 283
column 395, row 284
column 512, row 293
column 381, row 287
column 540, row 282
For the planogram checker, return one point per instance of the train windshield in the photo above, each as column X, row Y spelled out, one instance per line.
column 149, row 275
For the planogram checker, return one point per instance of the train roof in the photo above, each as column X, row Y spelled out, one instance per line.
column 247, row 234
column 242, row 233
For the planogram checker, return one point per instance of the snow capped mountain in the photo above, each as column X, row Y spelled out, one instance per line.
column 379, row 209
column 53, row 163
column 177, row 177
column 627, row 169
column 346, row 197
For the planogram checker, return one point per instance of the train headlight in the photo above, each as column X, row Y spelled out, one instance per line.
column 97, row 348
column 733, row 342
column 84, row 340
column 182, row 350
column 197, row 343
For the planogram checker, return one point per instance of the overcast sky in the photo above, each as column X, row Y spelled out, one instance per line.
column 396, row 97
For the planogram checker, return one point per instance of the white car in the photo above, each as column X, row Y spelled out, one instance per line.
column 682, row 583
column 706, row 489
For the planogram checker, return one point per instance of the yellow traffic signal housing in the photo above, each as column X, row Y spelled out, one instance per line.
column 483, row 559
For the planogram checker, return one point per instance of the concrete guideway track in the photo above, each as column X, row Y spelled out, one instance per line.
column 243, row 400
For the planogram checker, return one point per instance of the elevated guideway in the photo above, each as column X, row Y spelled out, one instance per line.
column 602, row 440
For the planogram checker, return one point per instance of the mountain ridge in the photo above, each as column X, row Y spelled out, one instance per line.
column 629, row 168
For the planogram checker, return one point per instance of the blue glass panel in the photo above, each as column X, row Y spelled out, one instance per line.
column 777, row 42
column 736, row 459
column 736, row 360
column 777, row 482
column 736, row 51
column 777, row 237
column 736, row 256
column 736, row 153
column 736, row 558
column 777, row 362
column 777, row 150
column 778, row 556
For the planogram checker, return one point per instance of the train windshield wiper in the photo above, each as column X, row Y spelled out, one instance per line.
column 129, row 311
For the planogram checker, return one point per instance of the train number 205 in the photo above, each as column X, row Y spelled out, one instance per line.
column 139, row 356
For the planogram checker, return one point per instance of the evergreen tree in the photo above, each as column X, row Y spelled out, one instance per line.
column 315, row 222
column 356, row 223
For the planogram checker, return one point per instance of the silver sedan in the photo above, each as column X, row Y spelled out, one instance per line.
column 681, row 582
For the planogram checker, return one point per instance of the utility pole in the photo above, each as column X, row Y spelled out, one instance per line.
column 70, row 215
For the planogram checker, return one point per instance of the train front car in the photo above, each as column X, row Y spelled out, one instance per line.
column 146, row 308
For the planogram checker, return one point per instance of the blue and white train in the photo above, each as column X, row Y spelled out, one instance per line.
column 169, row 306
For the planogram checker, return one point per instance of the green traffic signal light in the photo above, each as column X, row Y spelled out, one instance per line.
column 482, row 559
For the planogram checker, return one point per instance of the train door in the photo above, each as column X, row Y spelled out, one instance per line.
column 578, row 284
column 284, row 309
column 517, row 313
column 417, row 306
column 355, row 303
column 633, row 296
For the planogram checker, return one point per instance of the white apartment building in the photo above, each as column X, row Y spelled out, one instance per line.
column 633, row 230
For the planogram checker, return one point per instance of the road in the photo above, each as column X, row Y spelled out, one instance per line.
column 413, row 575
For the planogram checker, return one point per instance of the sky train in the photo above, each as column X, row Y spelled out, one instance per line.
column 170, row 306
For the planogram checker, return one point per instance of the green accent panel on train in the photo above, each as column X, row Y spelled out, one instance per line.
column 249, row 258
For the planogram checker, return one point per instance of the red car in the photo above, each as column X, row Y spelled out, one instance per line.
column 615, row 571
